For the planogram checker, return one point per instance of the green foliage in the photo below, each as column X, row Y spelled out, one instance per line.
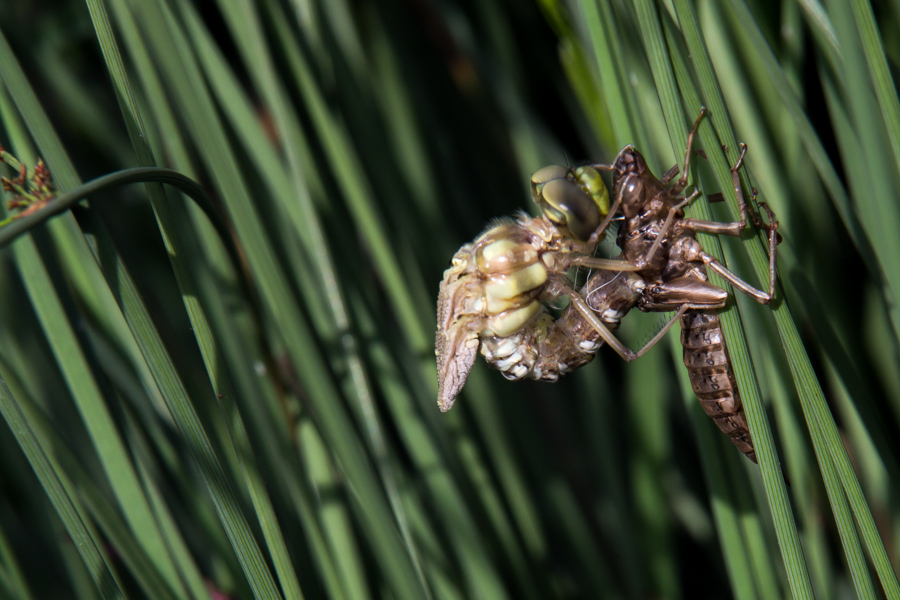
column 264, row 422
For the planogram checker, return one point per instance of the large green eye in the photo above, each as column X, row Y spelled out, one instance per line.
column 542, row 176
column 591, row 182
column 575, row 200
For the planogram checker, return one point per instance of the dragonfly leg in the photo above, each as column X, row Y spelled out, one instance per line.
column 670, row 174
column 682, row 182
column 602, row 330
column 608, row 264
column 773, row 244
column 687, row 291
column 559, row 286
column 597, row 236
column 643, row 261
column 678, row 314
column 735, row 228
column 757, row 294
column 621, row 349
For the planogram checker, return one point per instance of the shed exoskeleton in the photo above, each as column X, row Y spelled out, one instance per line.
column 658, row 239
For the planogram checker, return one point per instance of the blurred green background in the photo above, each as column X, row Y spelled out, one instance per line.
column 175, row 432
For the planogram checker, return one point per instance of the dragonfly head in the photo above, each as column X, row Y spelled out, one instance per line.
column 629, row 172
column 575, row 200
column 628, row 162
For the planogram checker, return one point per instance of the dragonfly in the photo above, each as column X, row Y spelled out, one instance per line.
column 501, row 309
column 495, row 295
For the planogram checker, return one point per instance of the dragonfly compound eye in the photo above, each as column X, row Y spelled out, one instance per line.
column 574, row 200
column 590, row 181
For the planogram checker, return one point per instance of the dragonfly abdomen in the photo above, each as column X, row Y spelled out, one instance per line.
column 712, row 378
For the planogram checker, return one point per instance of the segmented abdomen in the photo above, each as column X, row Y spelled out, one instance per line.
column 712, row 379
column 545, row 348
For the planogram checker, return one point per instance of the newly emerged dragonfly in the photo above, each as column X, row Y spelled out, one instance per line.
column 493, row 295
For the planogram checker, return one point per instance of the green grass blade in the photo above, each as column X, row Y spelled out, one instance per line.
column 849, row 538
column 741, row 15
column 792, row 343
column 350, row 177
column 167, row 220
column 85, row 391
column 165, row 376
column 886, row 93
column 85, row 540
column 209, row 135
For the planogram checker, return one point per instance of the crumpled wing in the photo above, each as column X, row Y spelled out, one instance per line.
column 458, row 324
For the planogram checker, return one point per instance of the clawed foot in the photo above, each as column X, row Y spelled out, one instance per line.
column 770, row 226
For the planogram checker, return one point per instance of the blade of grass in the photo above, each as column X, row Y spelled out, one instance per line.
column 451, row 498
column 349, row 177
column 201, row 328
column 815, row 409
column 246, row 28
column 713, row 94
column 340, row 152
column 886, row 93
column 100, row 508
column 849, row 538
column 745, row 25
column 84, row 538
column 147, row 337
column 109, row 445
column 879, row 213
column 171, row 46
column 611, row 74
column 649, row 424
column 14, row 578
